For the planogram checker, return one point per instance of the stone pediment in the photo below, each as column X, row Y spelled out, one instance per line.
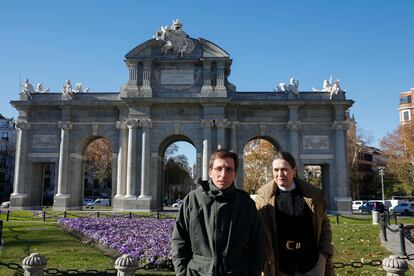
column 151, row 49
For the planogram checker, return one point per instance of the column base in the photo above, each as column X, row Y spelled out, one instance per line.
column 18, row 201
column 61, row 202
column 133, row 204
column 343, row 205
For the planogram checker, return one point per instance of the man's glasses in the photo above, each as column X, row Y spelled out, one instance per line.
column 220, row 170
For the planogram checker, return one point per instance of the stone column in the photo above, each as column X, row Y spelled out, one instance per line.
column 221, row 132
column 395, row 265
column 34, row 265
column 64, row 154
column 207, row 124
column 206, row 77
column 21, row 158
column 122, row 155
column 146, row 79
column 132, row 125
column 145, row 157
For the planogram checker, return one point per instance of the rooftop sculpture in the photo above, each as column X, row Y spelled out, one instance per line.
column 175, row 39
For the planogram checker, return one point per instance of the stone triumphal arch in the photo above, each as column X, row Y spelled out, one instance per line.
column 177, row 89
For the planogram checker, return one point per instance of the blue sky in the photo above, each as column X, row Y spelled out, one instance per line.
column 368, row 45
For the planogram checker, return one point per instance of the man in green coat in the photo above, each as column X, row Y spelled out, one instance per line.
column 218, row 231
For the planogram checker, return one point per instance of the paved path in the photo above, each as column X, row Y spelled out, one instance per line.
column 393, row 244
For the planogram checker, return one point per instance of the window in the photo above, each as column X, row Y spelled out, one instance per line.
column 406, row 115
column 5, row 134
column 405, row 99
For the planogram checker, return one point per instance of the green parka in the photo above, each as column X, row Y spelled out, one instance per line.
column 217, row 233
column 314, row 198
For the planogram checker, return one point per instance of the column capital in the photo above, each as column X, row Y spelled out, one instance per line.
column 223, row 123
column 145, row 122
column 340, row 125
column 22, row 124
column 207, row 123
column 294, row 125
column 121, row 124
column 132, row 123
column 65, row 125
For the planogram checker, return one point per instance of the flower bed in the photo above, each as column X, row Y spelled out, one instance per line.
column 148, row 239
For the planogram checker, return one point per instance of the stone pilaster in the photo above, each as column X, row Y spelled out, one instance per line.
column 146, row 124
column 122, row 158
column 340, row 128
column 206, row 88
column 294, row 125
column 132, row 125
column 207, row 124
column 233, row 146
column 20, row 164
column 146, row 79
column 133, row 74
column 221, row 132
column 220, row 88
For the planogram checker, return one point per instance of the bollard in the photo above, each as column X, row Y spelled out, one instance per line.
column 375, row 217
column 33, row 265
column 394, row 266
column 8, row 214
column 401, row 229
column 44, row 216
column 1, row 231
column 337, row 218
column 126, row 265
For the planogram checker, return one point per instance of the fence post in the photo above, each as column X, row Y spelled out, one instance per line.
column 44, row 216
column 97, row 214
column 64, row 214
column 337, row 218
column 401, row 229
column 1, row 231
column 395, row 219
column 34, row 264
column 394, row 266
column 126, row 265
column 8, row 214
column 130, row 215
column 384, row 229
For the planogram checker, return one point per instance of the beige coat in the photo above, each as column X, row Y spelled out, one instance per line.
column 314, row 198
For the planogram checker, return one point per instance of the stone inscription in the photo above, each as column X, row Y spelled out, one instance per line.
column 44, row 141
column 177, row 76
column 316, row 142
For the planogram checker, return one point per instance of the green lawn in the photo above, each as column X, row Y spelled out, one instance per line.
column 355, row 240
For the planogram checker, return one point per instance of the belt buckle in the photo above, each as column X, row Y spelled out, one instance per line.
column 292, row 245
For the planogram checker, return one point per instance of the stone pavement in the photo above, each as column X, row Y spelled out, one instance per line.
column 393, row 243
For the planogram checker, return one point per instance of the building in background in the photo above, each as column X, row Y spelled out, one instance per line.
column 406, row 108
column 7, row 152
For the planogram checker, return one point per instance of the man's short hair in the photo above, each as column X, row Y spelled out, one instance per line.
column 224, row 153
column 285, row 156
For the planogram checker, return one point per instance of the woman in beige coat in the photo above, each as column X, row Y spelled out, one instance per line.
column 309, row 226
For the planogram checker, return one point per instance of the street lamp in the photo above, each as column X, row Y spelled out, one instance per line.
column 381, row 173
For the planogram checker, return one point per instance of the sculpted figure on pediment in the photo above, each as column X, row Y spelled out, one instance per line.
column 174, row 39
column 26, row 90
column 41, row 89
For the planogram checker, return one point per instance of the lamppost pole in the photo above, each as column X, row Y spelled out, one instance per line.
column 381, row 173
